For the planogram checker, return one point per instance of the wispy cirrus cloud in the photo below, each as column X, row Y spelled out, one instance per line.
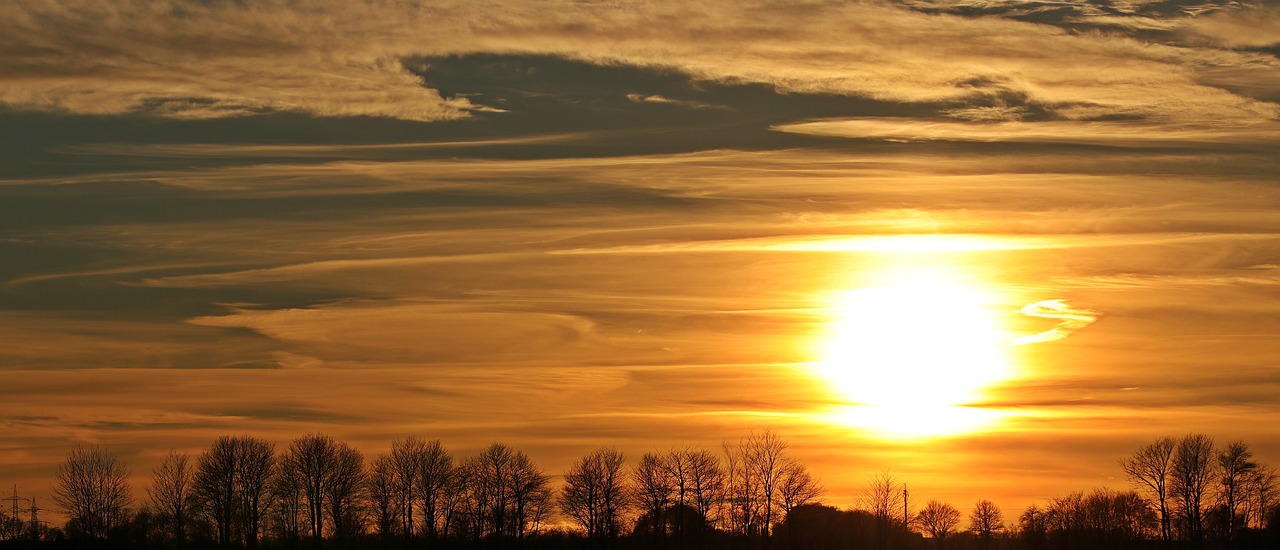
column 1258, row 27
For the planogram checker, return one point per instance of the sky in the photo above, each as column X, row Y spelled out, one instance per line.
column 989, row 246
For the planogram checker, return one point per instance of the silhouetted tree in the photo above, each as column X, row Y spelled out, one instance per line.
column 677, row 463
column 705, row 482
column 938, row 519
column 1150, row 468
column 436, row 470
column 287, row 514
column 883, row 498
column 652, row 489
column 344, row 491
column 985, row 520
column 530, row 491
column 595, row 493
column 232, row 481
column 171, row 494
column 11, row 528
column 1260, row 493
column 796, row 486
column 1192, row 474
column 766, row 455
column 92, row 488
column 1102, row 519
column 753, row 473
column 1235, row 466
column 406, row 463
column 385, row 497
column 215, row 487
column 1033, row 527
column 310, row 460
column 1121, row 516
column 141, row 529
column 508, row 495
column 454, row 499
column 256, row 464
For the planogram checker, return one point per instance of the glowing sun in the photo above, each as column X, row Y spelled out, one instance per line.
column 910, row 354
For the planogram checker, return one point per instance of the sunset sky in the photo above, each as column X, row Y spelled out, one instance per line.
column 990, row 246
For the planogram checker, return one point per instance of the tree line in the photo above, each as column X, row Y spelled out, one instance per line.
column 243, row 492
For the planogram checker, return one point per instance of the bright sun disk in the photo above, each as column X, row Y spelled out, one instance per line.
column 910, row 355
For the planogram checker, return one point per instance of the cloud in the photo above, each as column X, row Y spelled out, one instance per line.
column 1258, row 27
column 429, row 332
column 999, row 125
column 663, row 100
column 1070, row 319
column 376, row 151
column 825, row 243
column 344, row 59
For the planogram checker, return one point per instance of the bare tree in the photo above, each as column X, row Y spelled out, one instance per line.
column 215, row 485
column 530, row 491
column 1103, row 517
column 344, row 485
column 595, row 493
column 884, row 498
column 753, row 471
column 938, row 519
column 406, row 464
column 797, row 486
column 310, row 459
column 436, row 470
column 1149, row 468
column 766, row 455
column 1235, row 466
column 739, row 492
column 652, row 490
column 1192, row 473
column 385, row 496
column 231, row 481
column 676, row 462
column 92, row 488
column 171, row 495
column 489, row 472
column 985, row 520
column 1125, row 514
column 1033, row 527
column 706, row 482
column 287, row 513
column 256, row 465
column 508, row 495
column 1260, row 492
column 455, row 498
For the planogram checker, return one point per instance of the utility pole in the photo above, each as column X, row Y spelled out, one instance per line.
column 906, row 514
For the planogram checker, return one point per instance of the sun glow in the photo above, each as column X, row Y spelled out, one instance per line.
column 912, row 354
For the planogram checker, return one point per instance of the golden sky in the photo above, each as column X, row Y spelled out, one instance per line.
column 990, row 246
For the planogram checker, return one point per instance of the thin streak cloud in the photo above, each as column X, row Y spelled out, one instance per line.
column 1122, row 134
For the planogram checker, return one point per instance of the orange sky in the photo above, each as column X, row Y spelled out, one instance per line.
column 560, row 225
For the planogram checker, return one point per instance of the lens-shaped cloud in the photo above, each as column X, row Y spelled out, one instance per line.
column 1070, row 319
